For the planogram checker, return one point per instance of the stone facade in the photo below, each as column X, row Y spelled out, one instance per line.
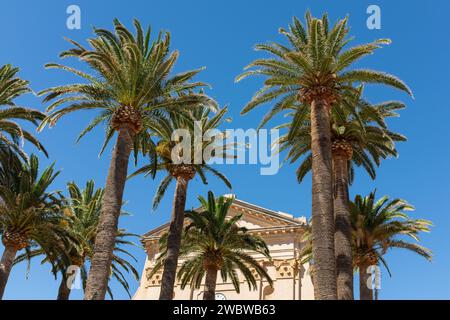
column 283, row 235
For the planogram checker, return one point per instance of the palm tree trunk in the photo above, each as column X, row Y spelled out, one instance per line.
column 365, row 292
column 343, row 232
column 174, row 239
column 63, row 291
column 5, row 267
column 97, row 281
column 210, row 284
column 322, row 202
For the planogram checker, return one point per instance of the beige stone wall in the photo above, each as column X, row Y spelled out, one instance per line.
column 282, row 233
column 291, row 282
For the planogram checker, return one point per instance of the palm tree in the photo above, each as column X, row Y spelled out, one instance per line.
column 377, row 227
column 11, row 132
column 119, row 265
column 82, row 213
column 29, row 213
column 314, row 71
column 359, row 136
column 182, row 168
column 212, row 243
column 130, row 78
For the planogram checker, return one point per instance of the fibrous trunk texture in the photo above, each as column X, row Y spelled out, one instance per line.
column 63, row 291
column 9, row 254
column 365, row 292
column 322, row 202
column 97, row 281
column 343, row 232
column 174, row 239
column 210, row 284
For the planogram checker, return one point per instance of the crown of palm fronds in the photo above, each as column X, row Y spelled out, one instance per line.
column 127, row 71
column 11, row 133
column 27, row 208
column 378, row 224
column 81, row 212
column 22, row 182
column 195, row 120
column 317, row 58
column 362, row 125
column 212, row 239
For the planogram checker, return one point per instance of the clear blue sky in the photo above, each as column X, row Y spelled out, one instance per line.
column 221, row 35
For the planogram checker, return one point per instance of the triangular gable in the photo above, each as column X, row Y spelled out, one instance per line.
column 258, row 217
column 254, row 218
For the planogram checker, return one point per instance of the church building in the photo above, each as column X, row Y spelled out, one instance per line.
column 283, row 234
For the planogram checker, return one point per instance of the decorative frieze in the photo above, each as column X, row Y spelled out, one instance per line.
column 286, row 268
column 155, row 280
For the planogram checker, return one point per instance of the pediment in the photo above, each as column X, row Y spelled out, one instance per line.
column 253, row 218
column 256, row 217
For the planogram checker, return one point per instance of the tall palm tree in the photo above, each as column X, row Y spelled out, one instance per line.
column 82, row 211
column 11, row 133
column 377, row 227
column 315, row 70
column 213, row 243
column 169, row 160
column 29, row 213
column 130, row 78
column 358, row 137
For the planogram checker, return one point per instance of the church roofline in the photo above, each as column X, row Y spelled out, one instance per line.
column 278, row 215
column 293, row 222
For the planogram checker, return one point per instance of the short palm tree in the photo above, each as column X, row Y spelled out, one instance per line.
column 315, row 70
column 29, row 213
column 169, row 160
column 358, row 138
column 211, row 244
column 377, row 227
column 11, row 133
column 82, row 212
column 131, row 77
